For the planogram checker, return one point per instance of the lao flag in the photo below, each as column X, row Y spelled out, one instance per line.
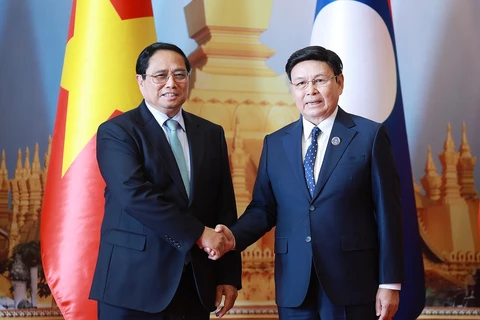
column 361, row 33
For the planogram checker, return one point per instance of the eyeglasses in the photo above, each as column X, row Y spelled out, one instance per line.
column 318, row 82
column 162, row 78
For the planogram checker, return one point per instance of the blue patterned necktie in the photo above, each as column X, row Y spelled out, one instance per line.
column 178, row 152
column 309, row 163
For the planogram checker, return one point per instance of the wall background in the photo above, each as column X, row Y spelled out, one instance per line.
column 437, row 46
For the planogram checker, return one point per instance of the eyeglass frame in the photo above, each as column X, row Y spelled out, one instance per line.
column 154, row 77
column 316, row 85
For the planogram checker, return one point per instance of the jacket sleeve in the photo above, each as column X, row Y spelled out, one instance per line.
column 386, row 193
column 229, row 267
column 261, row 214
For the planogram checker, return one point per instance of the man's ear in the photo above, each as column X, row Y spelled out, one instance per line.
column 139, row 79
column 340, row 82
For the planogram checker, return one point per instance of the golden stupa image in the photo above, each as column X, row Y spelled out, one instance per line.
column 448, row 220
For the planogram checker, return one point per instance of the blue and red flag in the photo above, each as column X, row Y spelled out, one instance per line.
column 361, row 33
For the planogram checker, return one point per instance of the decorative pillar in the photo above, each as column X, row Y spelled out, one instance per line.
column 240, row 160
column 465, row 167
column 5, row 215
column 455, row 206
column 14, row 234
column 34, row 204
column 21, row 202
column 432, row 181
column 450, row 190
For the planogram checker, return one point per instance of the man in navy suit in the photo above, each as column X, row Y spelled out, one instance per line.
column 168, row 183
column 329, row 184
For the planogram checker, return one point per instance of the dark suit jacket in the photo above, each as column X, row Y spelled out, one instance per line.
column 351, row 229
column 149, row 224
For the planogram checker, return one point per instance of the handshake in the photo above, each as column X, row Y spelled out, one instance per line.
column 216, row 242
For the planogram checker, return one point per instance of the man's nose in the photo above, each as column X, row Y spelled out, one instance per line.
column 170, row 81
column 310, row 88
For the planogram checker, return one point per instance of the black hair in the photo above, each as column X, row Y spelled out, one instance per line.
column 314, row 53
column 144, row 56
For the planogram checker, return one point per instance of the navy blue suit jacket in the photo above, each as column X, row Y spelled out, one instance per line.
column 149, row 224
column 351, row 229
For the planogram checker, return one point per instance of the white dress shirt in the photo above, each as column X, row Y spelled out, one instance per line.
column 181, row 132
column 326, row 127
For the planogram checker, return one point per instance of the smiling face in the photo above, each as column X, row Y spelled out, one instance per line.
column 315, row 103
column 167, row 97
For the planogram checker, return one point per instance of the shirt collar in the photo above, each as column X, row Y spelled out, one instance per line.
column 162, row 117
column 326, row 125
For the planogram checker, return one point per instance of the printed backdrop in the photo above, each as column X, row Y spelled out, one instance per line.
column 418, row 57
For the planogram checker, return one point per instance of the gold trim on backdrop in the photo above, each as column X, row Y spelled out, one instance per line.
column 255, row 312
column 450, row 313
column 26, row 314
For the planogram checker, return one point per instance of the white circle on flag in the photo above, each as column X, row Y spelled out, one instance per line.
column 360, row 37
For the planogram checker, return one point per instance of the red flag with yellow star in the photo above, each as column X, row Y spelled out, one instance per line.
column 98, row 82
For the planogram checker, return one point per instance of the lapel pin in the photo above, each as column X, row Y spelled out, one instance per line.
column 336, row 141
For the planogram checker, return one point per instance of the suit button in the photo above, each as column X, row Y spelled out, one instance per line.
column 311, row 208
column 308, row 239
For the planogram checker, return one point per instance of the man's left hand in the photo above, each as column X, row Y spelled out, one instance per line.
column 386, row 304
column 230, row 293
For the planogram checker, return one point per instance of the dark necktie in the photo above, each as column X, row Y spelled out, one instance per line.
column 178, row 152
column 309, row 163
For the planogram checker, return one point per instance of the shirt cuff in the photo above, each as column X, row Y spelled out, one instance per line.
column 391, row 286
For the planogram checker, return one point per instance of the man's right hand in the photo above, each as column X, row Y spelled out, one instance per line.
column 229, row 244
column 213, row 243
column 228, row 234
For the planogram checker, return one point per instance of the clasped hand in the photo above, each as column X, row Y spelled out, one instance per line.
column 216, row 242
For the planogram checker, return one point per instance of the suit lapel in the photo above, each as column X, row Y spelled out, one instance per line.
column 341, row 129
column 196, row 144
column 292, row 143
column 155, row 134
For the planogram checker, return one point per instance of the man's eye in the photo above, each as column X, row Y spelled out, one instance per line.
column 300, row 84
column 180, row 75
column 319, row 81
column 160, row 76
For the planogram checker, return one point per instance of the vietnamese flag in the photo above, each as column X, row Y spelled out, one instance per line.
column 98, row 81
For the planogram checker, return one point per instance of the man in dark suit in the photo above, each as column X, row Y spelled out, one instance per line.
column 329, row 184
column 168, row 183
